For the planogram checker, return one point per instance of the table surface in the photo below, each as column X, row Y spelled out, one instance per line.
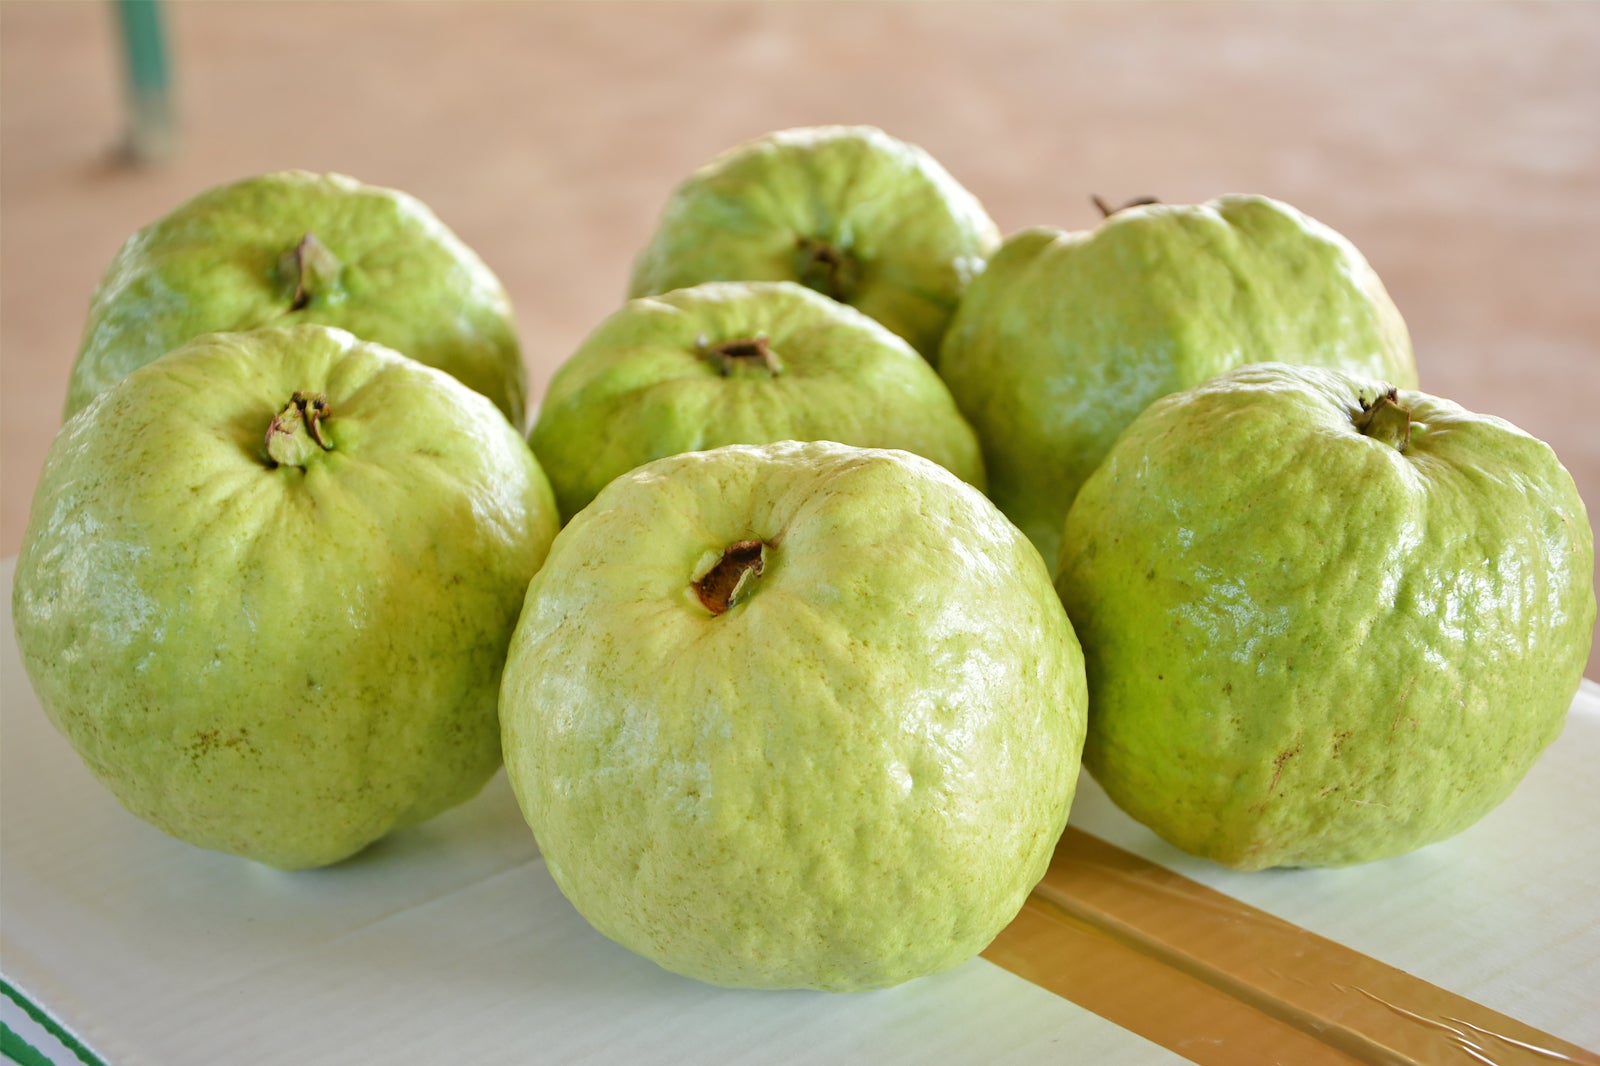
column 1457, row 145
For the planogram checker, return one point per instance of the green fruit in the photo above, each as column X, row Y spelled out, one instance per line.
column 267, row 588
column 1068, row 336
column 847, row 210
column 1324, row 623
column 799, row 715
column 739, row 363
column 290, row 248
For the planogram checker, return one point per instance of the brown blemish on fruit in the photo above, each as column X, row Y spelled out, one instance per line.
column 1399, row 712
column 1278, row 764
column 210, row 740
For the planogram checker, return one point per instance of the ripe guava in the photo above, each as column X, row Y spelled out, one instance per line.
column 267, row 588
column 849, row 211
column 290, row 248
column 1326, row 621
column 797, row 715
column 739, row 363
column 1067, row 336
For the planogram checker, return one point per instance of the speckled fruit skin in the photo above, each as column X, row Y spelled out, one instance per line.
column 282, row 662
column 1309, row 648
column 1067, row 336
column 216, row 263
column 649, row 383
column 907, row 237
column 851, row 778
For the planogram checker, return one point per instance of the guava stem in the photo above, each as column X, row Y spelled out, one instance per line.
column 728, row 582
column 825, row 267
column 1385, row 420
column 1106, row 210
column 743, row 352
column 313, row 268
column 295, row 433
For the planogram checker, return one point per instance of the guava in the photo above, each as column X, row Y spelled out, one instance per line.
column 794, row 715
column 267, row 588
column 1326, row 621
column 849, row 211
column 1067, row 336
column 294, row 247
column 739, row 363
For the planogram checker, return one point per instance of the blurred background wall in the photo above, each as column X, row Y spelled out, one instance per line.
column 1458, row 145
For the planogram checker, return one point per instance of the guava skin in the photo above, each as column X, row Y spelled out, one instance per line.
column 651, row 381
column 850, row 778
column 282, row 662
column 1067, row 336
column 1307, row 647
column 849, row 210
column 388, row 271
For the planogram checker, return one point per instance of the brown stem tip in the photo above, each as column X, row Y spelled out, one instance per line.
column 1106, row 210
column 728, row 582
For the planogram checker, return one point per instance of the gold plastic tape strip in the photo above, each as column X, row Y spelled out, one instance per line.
column 1224, row 984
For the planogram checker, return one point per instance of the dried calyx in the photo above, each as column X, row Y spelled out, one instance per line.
column 1384, row 419
column 296, row 433
column 741, row 353
column 731, row 579
column 311, row 268
column 825, row 267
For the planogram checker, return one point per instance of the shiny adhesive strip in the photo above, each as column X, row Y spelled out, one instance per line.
column 1224, row 984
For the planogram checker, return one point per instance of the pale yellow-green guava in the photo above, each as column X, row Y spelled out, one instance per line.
column 798, row 715
column 739, row 363
column 1325, row 622
column 850, row 211
column 1067, row 336
column 293, row 247
column 268, row 585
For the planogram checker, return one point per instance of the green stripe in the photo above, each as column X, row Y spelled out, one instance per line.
column 68, row 1041
column 19, row 1050
column 145, row 43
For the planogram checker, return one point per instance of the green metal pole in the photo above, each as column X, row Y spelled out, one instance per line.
column 152, row 129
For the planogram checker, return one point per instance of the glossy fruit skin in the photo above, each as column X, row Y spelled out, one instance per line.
column 1067, row 336
column 1308, row 648
column 910, row 237
column 282, row 662
column 218, row 263
column 648, row 383
column 851, row 778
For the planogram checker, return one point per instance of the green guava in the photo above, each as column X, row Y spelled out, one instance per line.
column 293, row 247
column 267, row 588
column 795, row 715
column 739, row 363
column 1326, row 621
column 849, row 211
column 1067, row 336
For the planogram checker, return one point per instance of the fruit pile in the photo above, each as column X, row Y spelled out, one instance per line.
column 773, row 615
